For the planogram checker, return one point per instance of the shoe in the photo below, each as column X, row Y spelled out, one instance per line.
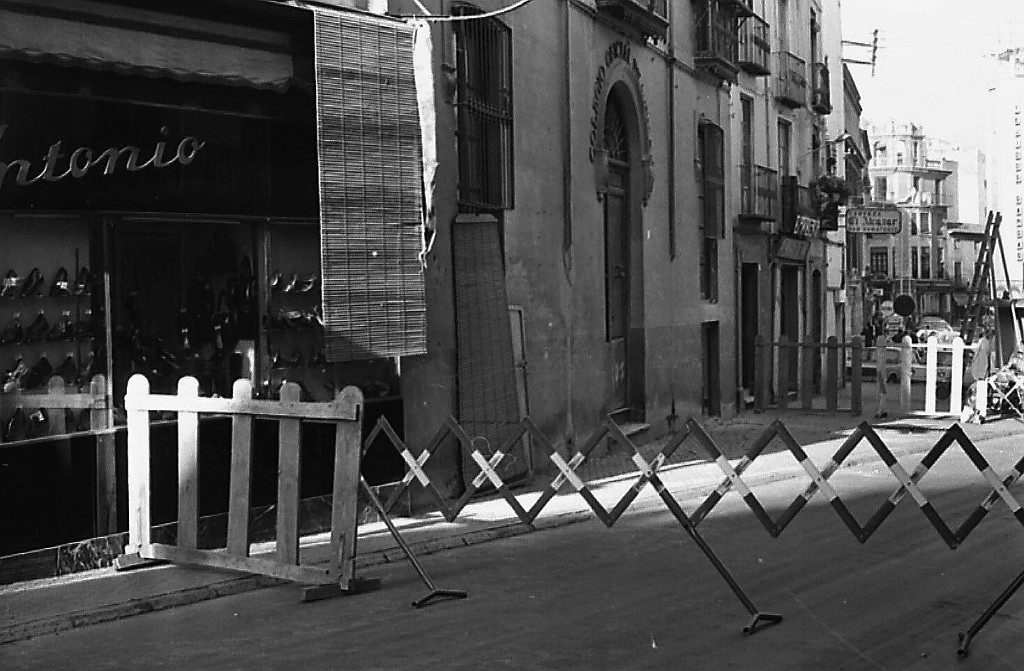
column 39, row 375
column 68, row 370
column 61, row 286
column 83, row 283
column 276, row 282
column 38, row 329
column 12, row 334
column 14, row 377
column 82, row 329
column 317, row 318
column 307, row 283
column 17, row 427
column 245, row 268
column 11, row 284
column 32, row 283
column 62, row 330
column 38, row 423
column 293, row 282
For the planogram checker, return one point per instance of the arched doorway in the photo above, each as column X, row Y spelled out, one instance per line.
column 623, row 253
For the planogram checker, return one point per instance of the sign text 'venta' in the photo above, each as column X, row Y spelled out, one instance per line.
column 83, row 159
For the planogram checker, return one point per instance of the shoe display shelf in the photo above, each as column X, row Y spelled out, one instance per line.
column 46, row 355
column 294, row 330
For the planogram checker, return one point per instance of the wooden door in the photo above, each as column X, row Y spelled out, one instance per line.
column 616, row 275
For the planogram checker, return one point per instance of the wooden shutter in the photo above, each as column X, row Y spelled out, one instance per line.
column 368, row 138
column 713, row 164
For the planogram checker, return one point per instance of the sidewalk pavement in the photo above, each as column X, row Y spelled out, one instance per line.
column 58, row 604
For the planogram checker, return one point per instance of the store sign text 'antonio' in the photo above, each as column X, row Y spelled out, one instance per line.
column 55, row 165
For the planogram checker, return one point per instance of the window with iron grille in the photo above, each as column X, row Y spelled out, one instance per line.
column 484, row 112
column 711, row 174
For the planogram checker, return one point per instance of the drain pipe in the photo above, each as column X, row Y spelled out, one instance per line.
column 567, row 193
column 672, row 417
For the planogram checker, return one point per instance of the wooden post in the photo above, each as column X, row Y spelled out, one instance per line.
column 759, row 372
column 782, row 375
column 807, row 355
column 188, row 468
column 956, row 377
column 289, row 469
column 906, row 371
column 239, row 497
column 856, row 376
column 345, row 502
column 931, row 372
column 138, row 466
column 832, row 374
column 881, row 373
column 981, row 397
column 106, row 459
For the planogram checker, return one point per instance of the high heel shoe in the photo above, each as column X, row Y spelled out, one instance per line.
column 39, row 375
column 38, row 329
column 17, row 427
column 13, row 377
column 62, row 329
column 11, row 284
column 307, row 283
column 276, row 282
column 293, row 282
column 32, row 283
column 61, row 286
column 38, row 423
column 69, row 369
column 12, row 334
column 83, row 283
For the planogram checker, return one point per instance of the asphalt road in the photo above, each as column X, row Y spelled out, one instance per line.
column 639, row 596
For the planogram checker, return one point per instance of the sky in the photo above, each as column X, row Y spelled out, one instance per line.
column 932, row 60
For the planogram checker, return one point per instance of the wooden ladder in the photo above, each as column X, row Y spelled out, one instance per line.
column 981, row 284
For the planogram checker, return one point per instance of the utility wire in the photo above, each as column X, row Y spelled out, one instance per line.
column 467, row 17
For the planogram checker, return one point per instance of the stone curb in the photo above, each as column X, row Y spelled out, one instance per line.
column 645, row 503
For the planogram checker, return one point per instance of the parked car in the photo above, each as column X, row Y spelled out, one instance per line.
column 930, row 325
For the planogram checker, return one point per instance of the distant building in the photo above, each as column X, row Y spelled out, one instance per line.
column 1005, row 121
column 904, row 171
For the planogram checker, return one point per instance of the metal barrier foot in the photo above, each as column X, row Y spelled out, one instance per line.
column 440, row 595
column 332, row 590
column 965, row 642
column 765, row 619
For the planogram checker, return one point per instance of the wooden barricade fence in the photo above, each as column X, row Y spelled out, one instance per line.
column 344, row 413
column 777, row 357
column 940, row 366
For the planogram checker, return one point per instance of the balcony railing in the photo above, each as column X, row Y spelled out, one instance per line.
column 759, row 193
column 821, row 96
column 799, row 213
column 717, row 45
column 791, row 80
column 754, row 46
column 649, row 18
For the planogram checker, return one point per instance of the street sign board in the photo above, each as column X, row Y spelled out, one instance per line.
column 884, row 219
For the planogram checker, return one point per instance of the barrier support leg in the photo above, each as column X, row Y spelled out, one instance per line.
column 758, row 618
column 435, row 593
column 972, row 631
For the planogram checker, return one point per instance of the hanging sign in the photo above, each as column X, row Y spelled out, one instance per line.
column 883, row 219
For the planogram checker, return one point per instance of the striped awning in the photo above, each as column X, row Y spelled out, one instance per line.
column 107, row 37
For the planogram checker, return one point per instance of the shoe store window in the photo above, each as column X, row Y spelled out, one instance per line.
column 53, row 340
